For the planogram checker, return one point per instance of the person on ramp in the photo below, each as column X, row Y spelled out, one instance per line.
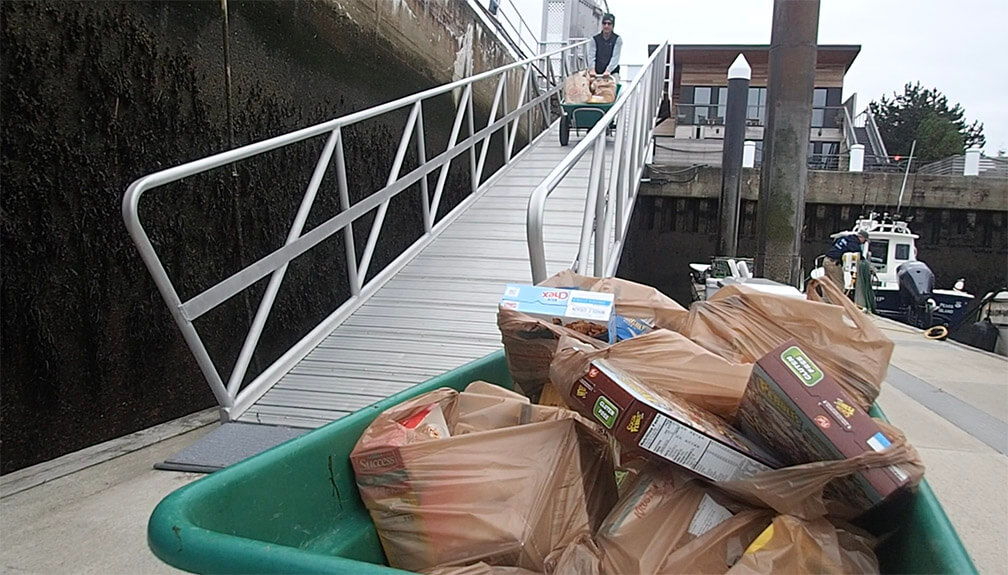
column 604, row 50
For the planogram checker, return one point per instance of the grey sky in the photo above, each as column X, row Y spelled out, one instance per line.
column 959, row 47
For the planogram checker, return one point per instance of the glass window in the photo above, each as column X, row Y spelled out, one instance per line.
column 722, row 99
column 902, row 252
column 701, row 95
column 818, row 115
column 879, row 252
column 819, row 98
column 756, row 106
column 819, row 108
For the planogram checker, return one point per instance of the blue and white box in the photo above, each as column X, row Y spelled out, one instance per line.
column 562, row 304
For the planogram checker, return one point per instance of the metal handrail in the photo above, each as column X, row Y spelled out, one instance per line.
column 527, row 39
column 232, row 400
column 874, row 134
column 848, row 127
column 609, row 201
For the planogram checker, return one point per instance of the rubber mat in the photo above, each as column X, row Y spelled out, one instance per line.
column 228, row 444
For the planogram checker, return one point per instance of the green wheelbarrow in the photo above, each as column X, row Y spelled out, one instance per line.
column 580, row 117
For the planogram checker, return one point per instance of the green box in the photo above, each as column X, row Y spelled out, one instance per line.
column 295, row 508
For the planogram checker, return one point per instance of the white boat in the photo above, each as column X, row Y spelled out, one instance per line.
column 892, row 251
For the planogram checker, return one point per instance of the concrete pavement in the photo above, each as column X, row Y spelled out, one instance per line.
column 969, row 476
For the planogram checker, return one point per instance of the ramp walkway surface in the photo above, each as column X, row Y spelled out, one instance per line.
column 439, row 311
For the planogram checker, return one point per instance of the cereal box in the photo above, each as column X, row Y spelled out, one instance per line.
column 665, row 426
column 569, row 307
column 801, row 413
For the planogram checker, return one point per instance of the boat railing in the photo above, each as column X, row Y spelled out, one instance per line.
column 516, row 98
column 614, row 178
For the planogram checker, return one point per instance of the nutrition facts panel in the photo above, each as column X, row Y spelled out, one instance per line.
column 692, row 450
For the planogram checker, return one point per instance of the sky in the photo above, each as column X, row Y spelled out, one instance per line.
column 959, row 47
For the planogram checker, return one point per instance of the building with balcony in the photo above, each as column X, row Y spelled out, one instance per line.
column 697, row 78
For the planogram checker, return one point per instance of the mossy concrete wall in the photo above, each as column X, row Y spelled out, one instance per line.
column 849, row 188
column 962, row 223
column 97, row 94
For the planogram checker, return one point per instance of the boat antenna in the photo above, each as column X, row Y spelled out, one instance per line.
column 899, row 203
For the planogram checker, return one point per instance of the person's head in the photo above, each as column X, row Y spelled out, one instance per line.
column 608, row 21
column 862, row 236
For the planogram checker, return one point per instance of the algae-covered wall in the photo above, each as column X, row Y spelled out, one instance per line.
column 97, row 94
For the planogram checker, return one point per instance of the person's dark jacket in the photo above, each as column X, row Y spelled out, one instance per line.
column 842, row 245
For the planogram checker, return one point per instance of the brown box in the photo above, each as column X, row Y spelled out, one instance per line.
column 665, row 426
column 803, row 415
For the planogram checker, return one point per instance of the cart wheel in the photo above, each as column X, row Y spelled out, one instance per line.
column 564, row 130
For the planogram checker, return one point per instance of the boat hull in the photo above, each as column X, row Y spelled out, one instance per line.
column 950, row 307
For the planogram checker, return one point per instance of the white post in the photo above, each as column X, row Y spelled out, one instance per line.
column 856, row 158
column 749, row 154
column 972, row 167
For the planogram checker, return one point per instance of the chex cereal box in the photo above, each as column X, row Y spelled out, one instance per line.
column 585, row 311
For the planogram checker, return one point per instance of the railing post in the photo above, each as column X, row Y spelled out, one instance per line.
column 601, row 208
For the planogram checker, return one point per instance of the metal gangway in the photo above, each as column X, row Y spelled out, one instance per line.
column 433, row 308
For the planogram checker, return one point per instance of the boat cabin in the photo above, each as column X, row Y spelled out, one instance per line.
column 890, row 243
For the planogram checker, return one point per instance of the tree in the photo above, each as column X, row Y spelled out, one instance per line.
column 924, row 115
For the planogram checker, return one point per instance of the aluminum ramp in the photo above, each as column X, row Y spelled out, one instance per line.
column 438, row 312
column 434, row 307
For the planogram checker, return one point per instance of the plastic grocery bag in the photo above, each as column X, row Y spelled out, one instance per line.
column 529, row 343
column 582, row 557
column 666, row 362
column 671, row 522
column 632, row 299
column 799, row 490
column 484, row 406
column 603, row 89
column 796, row 490
column 479, row 568
column 507, row 496
column 577, row 88
column 742, row 324
column 792, row 545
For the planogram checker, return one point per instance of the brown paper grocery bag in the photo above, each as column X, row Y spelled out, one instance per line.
column 742, row 324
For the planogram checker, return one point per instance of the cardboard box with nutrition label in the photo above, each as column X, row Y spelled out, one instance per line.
column 800, row 413
column 666, row 427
